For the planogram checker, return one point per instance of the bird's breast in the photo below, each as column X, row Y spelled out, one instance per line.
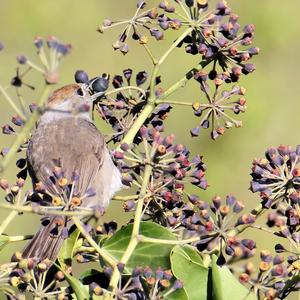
column 76, row 146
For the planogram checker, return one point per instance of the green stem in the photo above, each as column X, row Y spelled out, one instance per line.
column 43, row 59
column 135, row 230
column 7, row 290
column 163, row 58
column 19, row 238
column 12, row 103
column 159, row 101
column 34, row 66
column 7, row 220
column 85, row 249
column 10, row 216
column 184, row 80
column 175, row 44
column 290, row 284
column 144, row 239
column 41, row 210
column 153, row 59
column 125, row 198
column 140, row 203
column 21, row 102
column 256, row 212
column 148, row 109
column 150, row 106
column 24, row 133
column 185, row 10
column 106, row 256
column 125, row 88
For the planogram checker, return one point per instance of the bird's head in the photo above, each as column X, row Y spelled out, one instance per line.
column 69, row 101
column 69, row 98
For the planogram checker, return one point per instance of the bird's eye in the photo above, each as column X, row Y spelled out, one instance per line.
column 80, row 92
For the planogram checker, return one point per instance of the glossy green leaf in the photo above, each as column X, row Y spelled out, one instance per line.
column 67, row 250
column 188, row 267
column 225, row 285
column 178, row 294
column 4, row 240
column 81, row 291
column 145, row 254
column 87, row 273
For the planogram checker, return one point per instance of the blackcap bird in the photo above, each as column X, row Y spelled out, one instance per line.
column 66, row 148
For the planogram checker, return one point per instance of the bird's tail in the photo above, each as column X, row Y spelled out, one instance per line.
column 47, row 241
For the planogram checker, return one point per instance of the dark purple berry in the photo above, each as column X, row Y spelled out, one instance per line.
column 100, row 85
column 189, row 3
column 21, row 59
column 81, row 77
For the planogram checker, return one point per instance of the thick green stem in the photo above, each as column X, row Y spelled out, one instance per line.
column 140, row 203
column 10, row 216
column 12, row 103
column 42, row 210
column 105, row 255
column 25, row 132
column 184, row 80
column 175, row 44
column 150, row 106
column 125, row 198
column 19, row 238
column 138, row 123
column 164, row 57
column 144, row 239
column 7, row 221
column 135, row 230
column 148, row 109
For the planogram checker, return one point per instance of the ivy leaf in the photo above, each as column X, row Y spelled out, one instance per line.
column 178, row 294
column 4, row 240
column 187, row 266
column 92, row 275
column 81, row 291
column 224, row 284
column 88, row 273
column 67, row 249
column 145, row 254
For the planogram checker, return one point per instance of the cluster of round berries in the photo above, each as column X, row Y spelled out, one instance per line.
column 50, row 63
column 272, row 279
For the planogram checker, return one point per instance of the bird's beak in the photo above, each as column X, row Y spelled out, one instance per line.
column 96, row 97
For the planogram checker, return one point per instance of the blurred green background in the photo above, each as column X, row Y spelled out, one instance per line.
column 272, row 91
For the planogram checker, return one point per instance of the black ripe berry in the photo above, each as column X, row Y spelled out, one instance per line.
column 81, row 77
column 100, row 85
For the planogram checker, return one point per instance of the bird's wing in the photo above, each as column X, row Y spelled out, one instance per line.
column 74, row 144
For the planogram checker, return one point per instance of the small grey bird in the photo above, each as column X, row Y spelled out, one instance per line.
column 66, row 138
